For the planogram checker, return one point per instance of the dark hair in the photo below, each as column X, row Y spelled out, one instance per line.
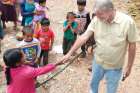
column 81, row 2
column 41, row 1
column 45, row 21
column 69, row 14
column 27, row 29
column 11, row 57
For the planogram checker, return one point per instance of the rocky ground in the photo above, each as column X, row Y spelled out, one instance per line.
column 76, row 78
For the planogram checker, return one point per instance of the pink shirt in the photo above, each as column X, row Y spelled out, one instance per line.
column 40, row 9
column 23, row 78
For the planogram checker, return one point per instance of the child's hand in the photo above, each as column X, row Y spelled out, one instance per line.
column 69, row 23
column 37, row 13
column 65, row 58
column 68, row 27
column 37, row 61
column 27, row 63
column 50, row 48
column 1, row 67
column 41, row 12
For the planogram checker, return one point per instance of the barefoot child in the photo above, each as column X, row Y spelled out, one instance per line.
column 30, row 46
column 46, row 38
column 69, row 29
column 20, row 77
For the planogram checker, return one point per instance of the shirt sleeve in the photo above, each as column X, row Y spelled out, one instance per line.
column 92, row 25
column 34, row 72
column 37, row 34
column 133, row 35
column 65, row 24
column 88, row 20
column 75, row 25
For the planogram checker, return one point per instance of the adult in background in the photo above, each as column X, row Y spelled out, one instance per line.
column 114, row 32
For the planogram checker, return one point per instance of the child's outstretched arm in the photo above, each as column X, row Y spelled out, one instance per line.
column 34, row 72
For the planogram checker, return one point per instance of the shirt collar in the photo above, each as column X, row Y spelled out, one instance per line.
column 116, row 18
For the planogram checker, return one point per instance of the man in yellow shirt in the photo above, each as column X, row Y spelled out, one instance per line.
column 114, row 32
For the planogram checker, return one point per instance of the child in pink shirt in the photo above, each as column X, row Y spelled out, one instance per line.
column 20, row 77
column 40, row 13
column 40, row 9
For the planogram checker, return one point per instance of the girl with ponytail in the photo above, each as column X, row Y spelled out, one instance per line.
column 20, row 77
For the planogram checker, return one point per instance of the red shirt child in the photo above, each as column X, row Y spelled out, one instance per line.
column 46, row 37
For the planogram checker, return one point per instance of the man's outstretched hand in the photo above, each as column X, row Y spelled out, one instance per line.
column 64, row 59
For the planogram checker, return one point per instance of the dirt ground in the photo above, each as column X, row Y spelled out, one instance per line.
column 76, row 78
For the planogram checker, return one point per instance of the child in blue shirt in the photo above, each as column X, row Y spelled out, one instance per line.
column 29, row 8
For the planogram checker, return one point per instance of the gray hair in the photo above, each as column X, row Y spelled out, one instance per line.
column 103, row 5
